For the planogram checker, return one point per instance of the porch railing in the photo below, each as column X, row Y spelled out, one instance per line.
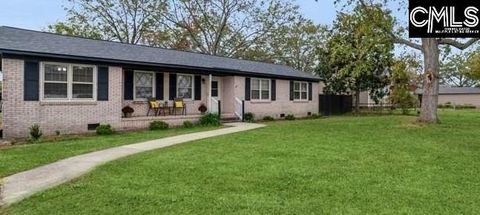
column 215, row 107
column 239, row 108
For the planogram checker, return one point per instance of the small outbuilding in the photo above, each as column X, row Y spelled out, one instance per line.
column 457, row 95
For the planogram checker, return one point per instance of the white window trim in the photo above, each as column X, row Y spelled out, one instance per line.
column 300, row 90
column 69, row 83
column 153, row 85
column 260, row 89
column 193, row 86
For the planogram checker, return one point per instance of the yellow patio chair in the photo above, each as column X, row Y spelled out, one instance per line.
column 179, row 104
column 154, row 106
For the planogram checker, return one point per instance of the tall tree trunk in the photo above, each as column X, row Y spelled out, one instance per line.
column 431, row 55
column 357, row 101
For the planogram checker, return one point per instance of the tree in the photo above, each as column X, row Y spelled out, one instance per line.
column 126, row 21
column 264, row 30
column 473, row 66
column 223, row 27
column 455, row 71
column 357, row 57
column 74, row 28
column 430, row 47
column 293, row 44
column 402, row 85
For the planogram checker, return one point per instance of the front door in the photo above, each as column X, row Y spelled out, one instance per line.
column 216, row 89
column 216, row 95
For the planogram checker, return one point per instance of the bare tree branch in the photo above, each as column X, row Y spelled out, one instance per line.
column 406, row 42
column 457, row 44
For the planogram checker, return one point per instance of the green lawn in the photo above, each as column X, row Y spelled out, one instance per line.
column 339, row 165
column 24, row 157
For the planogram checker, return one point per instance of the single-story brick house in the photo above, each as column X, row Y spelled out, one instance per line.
column 71, row 84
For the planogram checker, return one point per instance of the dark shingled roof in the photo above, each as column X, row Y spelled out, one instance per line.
column 446, row 90
column 21, row 41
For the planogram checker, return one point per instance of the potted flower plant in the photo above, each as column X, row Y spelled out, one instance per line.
column 202, row 108
column 127, row 111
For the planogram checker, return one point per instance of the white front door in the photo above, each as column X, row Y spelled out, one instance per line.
column 216, row 92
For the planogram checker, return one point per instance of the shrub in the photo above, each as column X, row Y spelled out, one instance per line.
column 449, row 105
column 314, row 116
column 268, row 118
column 468, row 106
column 35, row 132
column 188, row 124
column 249, row 117
column 290, row 117
column 403, row 99
column 158, row 125
column 104, row 129
column 446, row 105
column 401, row 95
column 210, row 120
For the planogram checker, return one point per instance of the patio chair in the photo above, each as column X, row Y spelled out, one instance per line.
column 179, row 104
column 154, row 106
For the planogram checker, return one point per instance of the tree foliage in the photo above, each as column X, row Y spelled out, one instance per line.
column 295, row 44
column 263, row 30
column 357, row 56
column 456, row 70
column 126, row 21
column 430, row 48
column 403, row 85
column 473, row 67
column 224, row 27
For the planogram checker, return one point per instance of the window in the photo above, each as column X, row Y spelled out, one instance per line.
column 260, row 89
column 144, row 85
column 300, row 91
column 82, row 82
column 185, row 86
column 68, row 82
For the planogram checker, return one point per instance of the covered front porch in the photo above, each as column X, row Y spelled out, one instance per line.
column 178, row 96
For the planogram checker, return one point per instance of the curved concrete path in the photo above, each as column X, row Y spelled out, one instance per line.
column 24, row 184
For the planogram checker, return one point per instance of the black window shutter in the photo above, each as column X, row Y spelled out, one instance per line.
column 274, row 90
column 310, row 95
column 247, row 89
column 291, row 91
column 198, row 87
column 102, row 88
column 159, row 85
column 31, row 79
column 128, row 85
column 173, row 86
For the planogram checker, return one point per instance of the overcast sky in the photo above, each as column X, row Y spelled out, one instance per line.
column 37, row 14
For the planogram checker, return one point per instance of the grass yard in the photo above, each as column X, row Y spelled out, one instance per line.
column 24, row 157
column 339, row 165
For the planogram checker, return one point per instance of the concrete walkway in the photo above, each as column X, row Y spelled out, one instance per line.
column 22, row 185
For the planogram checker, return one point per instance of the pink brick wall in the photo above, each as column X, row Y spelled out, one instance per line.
column 19, row 115
column 282, row 105
column 68, row 118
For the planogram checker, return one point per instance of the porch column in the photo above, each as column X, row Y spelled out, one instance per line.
column 209, row 92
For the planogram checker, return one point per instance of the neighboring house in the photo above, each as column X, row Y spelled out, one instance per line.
column 457, row 95
column 71, row 84
column 367, row 101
